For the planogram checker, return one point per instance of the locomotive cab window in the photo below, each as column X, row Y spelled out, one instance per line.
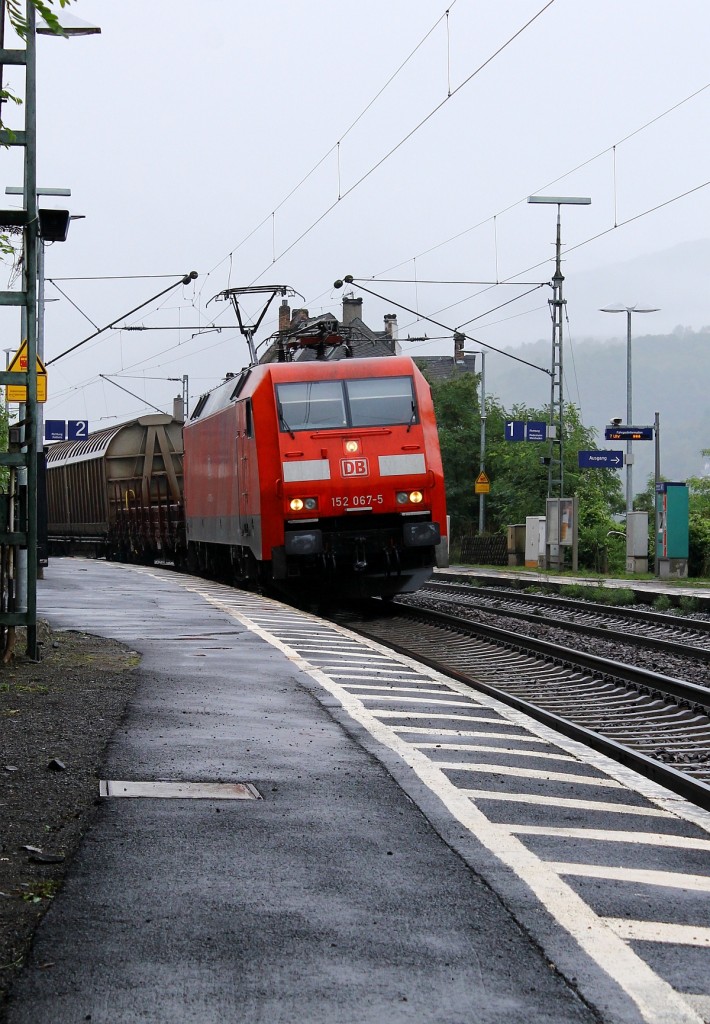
column 311, row 405
column 324, row 405
column 381, row 401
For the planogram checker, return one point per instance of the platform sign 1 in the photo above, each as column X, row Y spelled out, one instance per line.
column 520, row 430
column 77, row 429
column 55, row 430
column 600, row 460
column 515, row 430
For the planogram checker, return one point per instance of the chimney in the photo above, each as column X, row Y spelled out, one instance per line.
column 178, row 409
column 391, row 326
column 459, row 340
column 284, row 316
column 298, row 316
column 352, row 308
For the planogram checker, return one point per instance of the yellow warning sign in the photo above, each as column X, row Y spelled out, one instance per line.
column 18, row 392
column 482, row 485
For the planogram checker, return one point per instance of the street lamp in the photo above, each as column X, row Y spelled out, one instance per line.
column 629, row 405
column 70, row 26
column 556, row 398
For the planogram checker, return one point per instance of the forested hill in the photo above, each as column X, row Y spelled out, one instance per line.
column 671, row 376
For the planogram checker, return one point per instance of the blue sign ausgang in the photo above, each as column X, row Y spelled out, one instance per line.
column 600, row 460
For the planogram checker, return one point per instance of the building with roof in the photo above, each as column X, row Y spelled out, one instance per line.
column 360, row 340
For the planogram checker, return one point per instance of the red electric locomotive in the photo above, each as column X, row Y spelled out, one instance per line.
column 317, row 475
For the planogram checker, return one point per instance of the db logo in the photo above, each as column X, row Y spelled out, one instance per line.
column 354, row 467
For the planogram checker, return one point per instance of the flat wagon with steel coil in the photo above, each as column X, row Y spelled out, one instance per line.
column 118, row 492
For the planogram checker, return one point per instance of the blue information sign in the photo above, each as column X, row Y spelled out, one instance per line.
column 627, row 433
column 78, row 429
column 535, row 431
column 600, row 460
column 515, row 430
column 54, row 430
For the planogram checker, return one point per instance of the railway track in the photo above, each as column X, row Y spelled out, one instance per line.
column 656, row 724
column 670, row 633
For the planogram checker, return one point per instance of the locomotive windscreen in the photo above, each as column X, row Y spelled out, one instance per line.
column 322, row 405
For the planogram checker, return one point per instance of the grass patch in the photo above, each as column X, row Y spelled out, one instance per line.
column 40, row 890
column 617, row 596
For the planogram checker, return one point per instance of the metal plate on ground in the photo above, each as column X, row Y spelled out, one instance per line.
column 180, row 790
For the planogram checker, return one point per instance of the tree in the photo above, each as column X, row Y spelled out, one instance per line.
column 699, row 526
column 518, row 477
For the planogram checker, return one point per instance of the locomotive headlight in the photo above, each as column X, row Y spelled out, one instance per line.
column 298, row 504
column 409, row 497
column 352, row 447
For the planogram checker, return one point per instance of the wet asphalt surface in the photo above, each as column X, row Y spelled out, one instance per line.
column 333, row 898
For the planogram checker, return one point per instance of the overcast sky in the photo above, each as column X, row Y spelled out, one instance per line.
column 184, row 129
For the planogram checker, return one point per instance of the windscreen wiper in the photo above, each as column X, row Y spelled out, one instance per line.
column 412, row 418
column 282, row 421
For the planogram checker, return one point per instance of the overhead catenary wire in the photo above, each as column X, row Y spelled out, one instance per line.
column 446, row 327
column 407, row 137
column 578, row 167
column 569, row 249
column 185, row 279
column 335, row 148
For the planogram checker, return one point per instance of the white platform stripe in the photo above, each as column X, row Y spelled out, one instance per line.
column 570, row 802
column 659, row 931
column 614, row 836
column 638, row 876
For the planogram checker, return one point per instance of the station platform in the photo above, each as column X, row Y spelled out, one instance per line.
column 645, row 589
column 350, row 838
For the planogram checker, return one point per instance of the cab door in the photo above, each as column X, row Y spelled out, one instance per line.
column 243, row 458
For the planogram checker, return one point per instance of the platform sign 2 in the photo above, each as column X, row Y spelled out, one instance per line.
column 77, row 429
column 60, row 430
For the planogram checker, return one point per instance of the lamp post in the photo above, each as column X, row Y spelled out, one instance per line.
column 555, row 471
column 629, row 403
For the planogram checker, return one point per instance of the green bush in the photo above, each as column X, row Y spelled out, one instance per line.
column 698, row 545
column 663, row 603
